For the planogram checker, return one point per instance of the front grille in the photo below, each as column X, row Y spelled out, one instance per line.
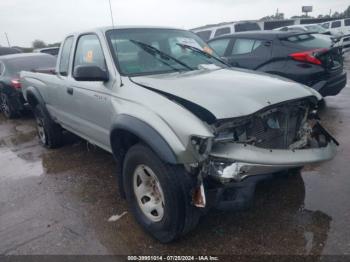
column 277, row 128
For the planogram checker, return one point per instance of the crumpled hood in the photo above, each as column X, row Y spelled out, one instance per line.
column 227, row 93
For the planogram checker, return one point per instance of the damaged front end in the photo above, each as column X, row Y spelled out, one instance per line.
column 277, row 138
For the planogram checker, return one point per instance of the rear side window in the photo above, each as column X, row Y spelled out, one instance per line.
column 325, row 25
column 336, row 24
column 222, row 31
column 205, row 35
column 31, row 62
column 245, row 46
column 268, row 25
column 347, row 22
column 220, row 46
column 89, row 52
column 310, row 40
column 65, row 55
column 296, row 29
column 247, row 27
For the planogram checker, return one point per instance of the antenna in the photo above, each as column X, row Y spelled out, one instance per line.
column 110, row 9
column 7, row 38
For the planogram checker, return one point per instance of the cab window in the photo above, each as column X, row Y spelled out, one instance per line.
column 347, row 22
column 89, row 52
column 65, row 55
column 336, row 24
column 222, row 31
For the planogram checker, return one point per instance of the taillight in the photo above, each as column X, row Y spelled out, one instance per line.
column 15, row 83
column 309, row 56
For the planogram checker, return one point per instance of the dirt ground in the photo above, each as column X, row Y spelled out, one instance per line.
column 59, row 202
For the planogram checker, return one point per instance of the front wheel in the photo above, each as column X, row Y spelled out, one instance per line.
column 159, row 194
column 49, row 133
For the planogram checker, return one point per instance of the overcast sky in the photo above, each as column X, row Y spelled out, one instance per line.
column 51, row 20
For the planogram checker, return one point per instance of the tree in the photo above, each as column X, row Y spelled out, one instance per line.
column 38, row 44
column 277, row 16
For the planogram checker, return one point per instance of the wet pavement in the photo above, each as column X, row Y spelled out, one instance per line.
column 59, row 202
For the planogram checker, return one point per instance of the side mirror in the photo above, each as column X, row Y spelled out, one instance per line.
column 90, row 73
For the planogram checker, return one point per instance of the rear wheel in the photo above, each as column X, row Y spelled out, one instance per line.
column 159, row 194
column 7, row 108
column 49, row 133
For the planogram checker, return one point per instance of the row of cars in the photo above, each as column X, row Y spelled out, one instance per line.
column 189, row 132
column 339, row 30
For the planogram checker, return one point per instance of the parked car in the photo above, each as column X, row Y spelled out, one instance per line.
column 48, row 50
column 310, row 59
column 8, row 51
column 337, row 37
column 11, row 98
column 211, row 31
column 187, row 131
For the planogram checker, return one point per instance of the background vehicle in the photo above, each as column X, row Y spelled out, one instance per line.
column 310, row 59
column 314, row 28
column 211, row 31
column 187, row 131
column 11, row 98
column 8, row 51
column 338, row 27
column 49, row 50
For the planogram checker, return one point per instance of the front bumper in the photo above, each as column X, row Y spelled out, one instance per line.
column 332, row 86
column 236, row 162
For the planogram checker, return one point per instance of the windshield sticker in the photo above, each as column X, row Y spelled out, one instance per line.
column 89, row 58
column 189, row 41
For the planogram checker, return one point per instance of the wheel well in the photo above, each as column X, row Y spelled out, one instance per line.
column 121, row 141
column 32, row 100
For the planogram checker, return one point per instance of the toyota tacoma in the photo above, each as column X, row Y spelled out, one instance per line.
column 187, row 132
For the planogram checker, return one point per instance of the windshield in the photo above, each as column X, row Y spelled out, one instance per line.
column 315, row 28
column 157, row 51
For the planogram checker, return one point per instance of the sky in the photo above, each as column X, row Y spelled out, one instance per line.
column 50, row 20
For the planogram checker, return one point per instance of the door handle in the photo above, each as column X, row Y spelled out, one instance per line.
column 70, row 90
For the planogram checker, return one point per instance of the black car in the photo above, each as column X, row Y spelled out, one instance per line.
column 11, row 98
column 307, row 58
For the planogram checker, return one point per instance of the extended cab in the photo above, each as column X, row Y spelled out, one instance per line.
column 187, row 131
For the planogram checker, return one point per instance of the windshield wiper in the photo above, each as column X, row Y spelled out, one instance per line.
column 162, row 54
column 197, row 50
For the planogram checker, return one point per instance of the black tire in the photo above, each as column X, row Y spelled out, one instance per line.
column 179, row 216
column 49, row 133
column 7, row 107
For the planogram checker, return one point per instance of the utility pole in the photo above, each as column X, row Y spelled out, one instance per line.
column 110, row 9
column 7, row 38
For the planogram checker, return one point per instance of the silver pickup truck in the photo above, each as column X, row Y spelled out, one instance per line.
column 187, row 132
